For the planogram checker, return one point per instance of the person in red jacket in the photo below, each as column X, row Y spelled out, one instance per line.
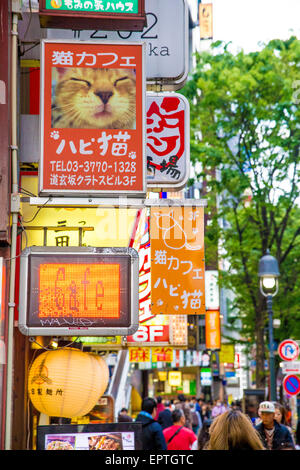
column 179, row 437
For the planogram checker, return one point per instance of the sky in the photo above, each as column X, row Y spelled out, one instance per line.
column 247, row 22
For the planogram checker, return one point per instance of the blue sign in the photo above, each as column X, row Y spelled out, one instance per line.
column 291, row 384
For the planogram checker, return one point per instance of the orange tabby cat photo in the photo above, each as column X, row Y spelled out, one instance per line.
column 89, row 98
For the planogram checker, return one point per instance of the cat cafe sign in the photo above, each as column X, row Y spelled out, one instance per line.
column 92, row 119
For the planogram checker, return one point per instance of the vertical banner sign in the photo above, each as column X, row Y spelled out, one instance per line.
column 168, row 140
column 206, row 20
column 92, row 119
column 177, row 260
column 212, row 329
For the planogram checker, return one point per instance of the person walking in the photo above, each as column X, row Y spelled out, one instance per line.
column 123, row 416
column 182, row 404
column 273, row 435
column 233, row 430
column 196, row 419
column 218, row 409
column 160, row 407
column 165, row 416
column 203, row 436
column 152, row 433
column 280, row 417
column 178, row 436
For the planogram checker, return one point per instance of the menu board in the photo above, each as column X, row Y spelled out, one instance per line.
column 106, row 436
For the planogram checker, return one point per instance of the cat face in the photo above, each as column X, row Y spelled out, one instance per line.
column 95, row 98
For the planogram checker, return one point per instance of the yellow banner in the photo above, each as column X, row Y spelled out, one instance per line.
column 139, row 354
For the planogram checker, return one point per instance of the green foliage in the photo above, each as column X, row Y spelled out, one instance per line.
column 245, row 124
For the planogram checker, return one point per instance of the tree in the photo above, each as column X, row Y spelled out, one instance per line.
column 245, row 130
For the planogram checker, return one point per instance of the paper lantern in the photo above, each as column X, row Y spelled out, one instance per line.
column 67, row 382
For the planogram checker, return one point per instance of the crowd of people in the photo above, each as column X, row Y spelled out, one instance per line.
column 194, row 424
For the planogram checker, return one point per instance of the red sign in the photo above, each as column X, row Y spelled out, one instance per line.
column 291, row 384
column 288, row 350
column 92, row 119
column 150, row 334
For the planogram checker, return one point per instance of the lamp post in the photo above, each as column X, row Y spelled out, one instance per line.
column 268, row 273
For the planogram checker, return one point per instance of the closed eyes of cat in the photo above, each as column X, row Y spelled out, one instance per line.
column 89, row 83
column 81, row 80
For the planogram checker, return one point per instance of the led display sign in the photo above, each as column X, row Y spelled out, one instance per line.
column 126, row 15
column 78, row 291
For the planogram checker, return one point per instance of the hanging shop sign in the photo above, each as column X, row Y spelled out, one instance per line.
column 177, row 260
column 137, row 354
column 123, row 15
column 226, row 354
column 168, row 142
column 150, row 334
column 212, row 301
column 175, row 378
column 162, row 354
column 178, row 330
column 92, row 119
column 206, row 377
column 206, row 20
column 212, row 329
column 166, row 38
column 84, row 291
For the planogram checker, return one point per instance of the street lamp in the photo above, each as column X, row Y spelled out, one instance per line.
column 268, row 273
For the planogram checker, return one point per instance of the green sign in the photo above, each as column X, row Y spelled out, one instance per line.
column 96, row 6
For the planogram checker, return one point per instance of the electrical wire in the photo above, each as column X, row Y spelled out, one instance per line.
column 39, row 209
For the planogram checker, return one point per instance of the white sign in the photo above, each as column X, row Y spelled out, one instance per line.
column 290, row 367
column 168, row 140
column 212, row 300
column 166, row 38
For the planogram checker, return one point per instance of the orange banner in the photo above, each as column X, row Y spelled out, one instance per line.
column 213, row 329
column 206, row 20
column 177, row 260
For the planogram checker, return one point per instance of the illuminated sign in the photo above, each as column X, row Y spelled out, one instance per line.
column 92, row 119
column 175, row 378
column 117, row 6
column 128, row 15
column 78, row 291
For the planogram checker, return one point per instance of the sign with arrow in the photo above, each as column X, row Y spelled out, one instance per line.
column 288, row 350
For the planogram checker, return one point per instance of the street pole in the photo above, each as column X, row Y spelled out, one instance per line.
column 271, row 351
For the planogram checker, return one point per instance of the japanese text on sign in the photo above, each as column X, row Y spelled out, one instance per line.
column 92, row 119
column 177, row 255
column 167, row 155
column 119, row 6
